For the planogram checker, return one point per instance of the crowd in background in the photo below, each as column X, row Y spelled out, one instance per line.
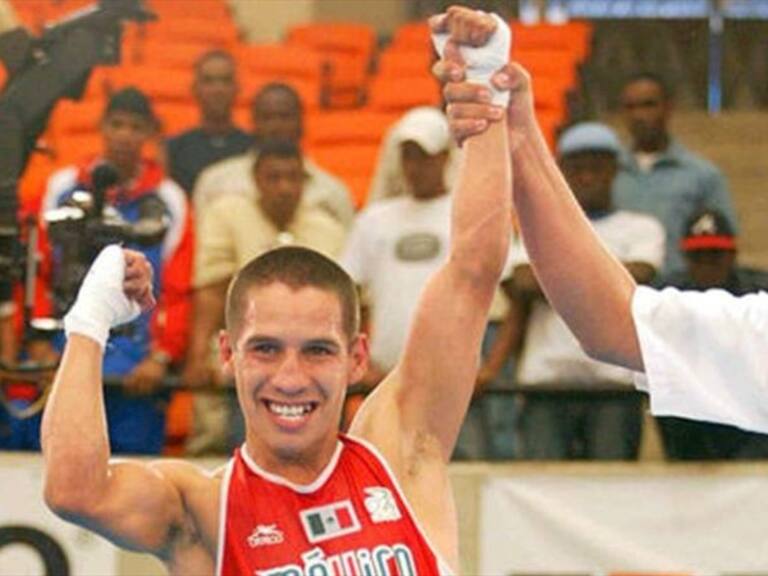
column 226, row 195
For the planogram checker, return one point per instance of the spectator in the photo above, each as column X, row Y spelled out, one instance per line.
column 388, row 179
column 660, row 176
column 233, row 230
column 141, row 357
column 593, row 427
column 711, row 256
column 277, row 113
column 217, row 137
column 396, row 245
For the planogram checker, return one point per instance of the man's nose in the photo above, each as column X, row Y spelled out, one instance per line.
column 289, row 376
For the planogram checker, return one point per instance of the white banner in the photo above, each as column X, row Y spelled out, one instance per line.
column 689, row 521
column 30, row 535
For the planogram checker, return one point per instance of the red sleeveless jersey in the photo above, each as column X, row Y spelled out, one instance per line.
column 352, row 521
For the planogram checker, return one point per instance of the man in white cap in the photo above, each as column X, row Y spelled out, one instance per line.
column 704, row 355
column 604, row 427
column 396, row 244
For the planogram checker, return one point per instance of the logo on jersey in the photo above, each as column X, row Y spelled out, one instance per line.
column 326, row 522
column 381, row 504
column 265, row 535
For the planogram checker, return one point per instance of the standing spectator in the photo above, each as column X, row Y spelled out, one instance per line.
column 593, row 427
column 141, row 357
column 277, row 113
column 217, row 137
column 397, row 243
column 233, row 230
column 711, row 256
column 660, row 176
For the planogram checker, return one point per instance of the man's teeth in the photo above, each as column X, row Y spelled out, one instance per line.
column 290, row 410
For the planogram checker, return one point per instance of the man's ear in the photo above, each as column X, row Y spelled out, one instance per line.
column 359, row 356
column 226, row 354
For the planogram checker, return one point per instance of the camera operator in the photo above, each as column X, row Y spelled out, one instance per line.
column 142, row 357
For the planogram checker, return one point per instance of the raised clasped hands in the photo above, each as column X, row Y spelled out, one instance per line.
column 469, row 105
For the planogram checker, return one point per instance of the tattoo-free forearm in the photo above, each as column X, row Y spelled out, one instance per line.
column 587, row 286
column 74, row 430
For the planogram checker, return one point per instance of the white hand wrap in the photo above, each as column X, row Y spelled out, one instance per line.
column 482, row 62
column 101, row 302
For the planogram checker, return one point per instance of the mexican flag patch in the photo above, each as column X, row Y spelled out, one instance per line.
column 326, row 522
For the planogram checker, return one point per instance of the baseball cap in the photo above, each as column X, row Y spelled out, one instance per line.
column 426, row 126
column 130, row 100
column 708, row 230
column 588, row 137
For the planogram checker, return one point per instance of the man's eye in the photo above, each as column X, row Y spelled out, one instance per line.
column 319, row 350
column 264, row 348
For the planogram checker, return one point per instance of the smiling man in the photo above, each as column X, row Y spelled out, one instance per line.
column 298, row 498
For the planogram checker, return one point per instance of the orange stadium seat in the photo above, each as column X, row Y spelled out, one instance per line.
column 353, row 163
column 309, row 91
column 549, row 63
column 207, row 9
column 159, row 83
column 347, row 127
column 155, row 52
column 348, row 48
column 550, row 94
column 77, row 147
column 193, row 28
column 348, row 37
column 389, row 94
column 281, row 60
column 405, row 63
column 412, row 36
column 176, row 117
column 76, row 118
column 574, row 36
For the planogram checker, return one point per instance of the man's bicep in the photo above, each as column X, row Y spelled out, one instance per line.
column 442, row 356
column 140, row 509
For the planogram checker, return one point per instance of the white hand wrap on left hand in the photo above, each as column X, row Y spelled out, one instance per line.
column 482, row 62
column 101, row 302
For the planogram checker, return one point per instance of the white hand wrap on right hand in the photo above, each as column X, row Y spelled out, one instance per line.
column 101, row 302
column 482, row 62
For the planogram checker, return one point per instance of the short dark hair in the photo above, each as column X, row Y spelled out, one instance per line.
column 132, row 100
column 276, row 88
column 296, row 267
column 215, row 54
column 648, row 76
column 276, row 147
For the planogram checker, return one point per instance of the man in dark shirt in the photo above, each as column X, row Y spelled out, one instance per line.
column 217, row 137
column 710, row 249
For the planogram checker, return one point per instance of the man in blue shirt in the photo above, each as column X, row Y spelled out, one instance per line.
column 660, row 176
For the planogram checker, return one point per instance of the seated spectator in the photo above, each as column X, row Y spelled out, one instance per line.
column 660, row 176
column 216, row 138
column 389, row 179
column 591, row 427
column 277, row 113
column 233, row 230
column 711, row 255
column 397, row 243
column 141, row 356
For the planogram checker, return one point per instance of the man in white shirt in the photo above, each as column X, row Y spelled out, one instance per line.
column 277, row 114
column 563, row 427
column 704, row 355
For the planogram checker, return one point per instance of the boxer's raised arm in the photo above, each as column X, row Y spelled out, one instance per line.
column 133, row 504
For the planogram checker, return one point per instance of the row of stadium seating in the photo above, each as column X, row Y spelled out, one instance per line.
column 352, row 90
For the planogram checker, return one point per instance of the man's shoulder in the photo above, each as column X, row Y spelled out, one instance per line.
column 183, row 138
column 636, row 220
column 691, row 160
column 225, row 168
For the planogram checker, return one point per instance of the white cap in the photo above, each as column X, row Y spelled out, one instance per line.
column 427, row 127
column 588, row 137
